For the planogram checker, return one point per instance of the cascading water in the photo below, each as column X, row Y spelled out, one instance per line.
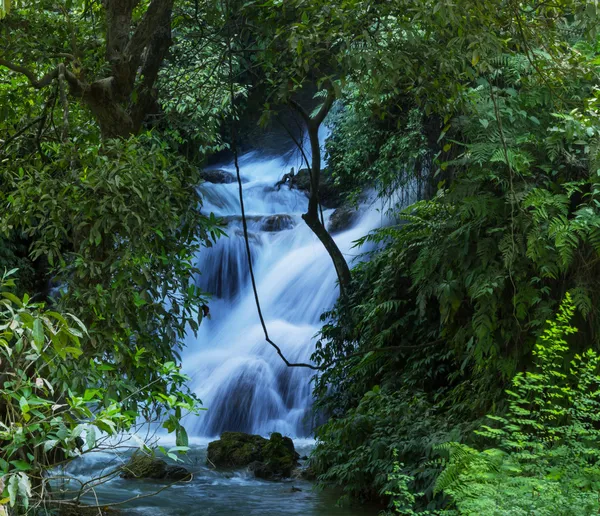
column 239, row 377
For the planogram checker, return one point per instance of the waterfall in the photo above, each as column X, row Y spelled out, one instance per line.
column 238, row 376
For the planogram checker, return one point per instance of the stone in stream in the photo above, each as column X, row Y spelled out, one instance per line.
column 341, row 219
column 269, row 459
column 141, row 465
column 279, row 222
column 220, row 177
column 329, row 195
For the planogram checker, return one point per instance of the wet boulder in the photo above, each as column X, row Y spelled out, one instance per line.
column 235, row 449
column 342, row 218
column 280, row 222
column 141, row 465
column 220, row 177
column 280, row 456
column 329, row 195
column 269, row 459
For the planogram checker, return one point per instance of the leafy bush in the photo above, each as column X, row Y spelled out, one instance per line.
column 53, row 402
column 118, row 226
column 355, row 451
column 547, row 455
column 459, row 285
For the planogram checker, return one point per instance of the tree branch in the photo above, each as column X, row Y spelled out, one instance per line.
column 320, row 116
column 301, row 111
column 33, row 80
column 152, row 20
column 20, row 131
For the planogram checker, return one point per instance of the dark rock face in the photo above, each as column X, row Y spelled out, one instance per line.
column 218, row 176
column 341, row 219
column 145, row 466
column 271, row 459
column 328, row 193
column 277, row 223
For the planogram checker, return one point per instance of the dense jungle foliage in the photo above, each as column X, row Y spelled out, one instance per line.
column 451, row 378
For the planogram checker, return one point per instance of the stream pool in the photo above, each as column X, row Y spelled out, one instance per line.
column 211, row 492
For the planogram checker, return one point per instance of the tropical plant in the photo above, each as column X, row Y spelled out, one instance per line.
column 545, row 459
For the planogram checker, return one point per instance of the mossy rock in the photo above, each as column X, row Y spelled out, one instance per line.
column 141, row 465
column 270, row 459
column 236, row 449
column 280, row 456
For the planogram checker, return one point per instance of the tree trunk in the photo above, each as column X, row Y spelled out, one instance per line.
column 120, row 101
column 311, row 217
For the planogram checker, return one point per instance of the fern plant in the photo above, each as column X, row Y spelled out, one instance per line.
column 546, row 458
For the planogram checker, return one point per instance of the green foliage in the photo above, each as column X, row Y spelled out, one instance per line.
column 119, row 232
column 354, row 451
column 403, row 499
column 366, row 151
column 193, row 86
column 54, row 400
column 104, row 229
column 546, row 460
column 459, row 285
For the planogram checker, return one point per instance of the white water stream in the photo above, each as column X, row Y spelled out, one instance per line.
column 238, row 376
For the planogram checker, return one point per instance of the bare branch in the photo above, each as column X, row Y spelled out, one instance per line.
column 300, row 110
column 20, row 131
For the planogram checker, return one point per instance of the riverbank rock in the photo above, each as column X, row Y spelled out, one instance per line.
column 279, row 222
column 146, row 466
column 342, row 218
column 269, row 459
column 235, row 449
column 305, row 473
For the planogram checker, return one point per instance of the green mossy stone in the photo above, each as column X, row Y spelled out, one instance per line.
column 236, row 449
column 141, row 465
column 270, row 459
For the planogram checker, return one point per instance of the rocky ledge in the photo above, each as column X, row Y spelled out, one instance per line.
column 270, row 459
